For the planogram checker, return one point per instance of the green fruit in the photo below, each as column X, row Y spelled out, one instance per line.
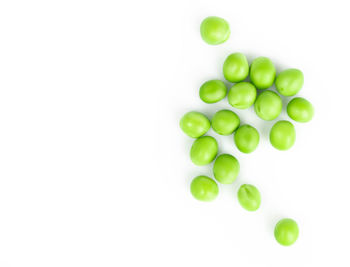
column 226, row 169
column 212, row 91
column 289, row 82
column 300, row 110
column 236, row 68
column 282, row 135
column 286, row 232
column 242, row 95
column 249, row 197
column 204, row 150
column 194, row 124
column 215, row 30
column 262, row 72
column 246, row 138
column 225, row 122
column 204, row 189
column 268, row 105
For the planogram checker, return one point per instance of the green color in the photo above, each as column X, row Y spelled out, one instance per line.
column 300, row 110
column 212, row 91
column 204, row 189
column 268, row 105
column 289, row 82
column 225, row 122
column 204, row 150
column 226, row 169
column 236, row 68
column 194, row 124
column 282, row 135
column 286, row 232
column 247, row 138
column 242, row 95
column 215, row 30
column 262, row 72
column 249, row 197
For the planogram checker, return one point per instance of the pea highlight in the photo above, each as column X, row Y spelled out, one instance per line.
column 268, row 105
column 249, row 197
column 194, row 124
column 262, row 72
column 212, row 91
column 225, row 122
column 282, row 135
column 289, row 82
column 204, row 189
column 214, row 30
column 300, row 110
column 242, row 95
column 204, row 150
column 247, row 138
column 236, row 68
column 286, row 232
column 226, row 169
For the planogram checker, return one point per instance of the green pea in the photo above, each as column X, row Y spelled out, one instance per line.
column 204, row 150
column 262, row 72
column 226, row 169
column 286, row 232
column 204, row 189
column 300, row 110
column 225, row 122
column 282, row 135
column 242, row 95
column 268, row 105
column 236, row 67
column 212, row 91
column 215, row 30
column 249, row 197
column 194, row 124
column 246, row 138
column 289, row 82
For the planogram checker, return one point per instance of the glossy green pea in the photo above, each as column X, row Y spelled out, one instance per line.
column 249, row 197
column 286, row 232
column 225, row 122
column 236, row 67
column 268, row 105
column 194, row 124
column 204, row 150
column 242, row 95
column 289, row 82
column 215, row 30
column 282, row 135
column 204, row 189
column 246, row 138
column 300, row 110
column 262, row 72
column 226, row 169
column 212, row 91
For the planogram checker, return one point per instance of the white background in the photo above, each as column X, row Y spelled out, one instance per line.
column 94, row 170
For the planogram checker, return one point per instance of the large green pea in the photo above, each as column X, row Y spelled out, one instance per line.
column 289, row 82
column 225, row 122
column 226, row 169
column 268, row 105
column 286, row 232
column 300, row 110
column 212, row 91
column 236, row 67
column 194, row 124
column 204, row 150
column 249, row 197
column 242, row 95
column 246, row 138
column 215, row 30
column 204, row 189
column 262, row 72
column 282, row 135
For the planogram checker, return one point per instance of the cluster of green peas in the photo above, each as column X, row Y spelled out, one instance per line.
column 242, row 95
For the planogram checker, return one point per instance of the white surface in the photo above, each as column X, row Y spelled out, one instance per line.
column 94, row 170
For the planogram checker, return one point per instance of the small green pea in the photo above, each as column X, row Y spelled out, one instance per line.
column 262, row 72
column 249, row 197
column 282, row 135
column 225, row 122
column 204, row 150
column 204, row 189
column 242, row 95
column 246, row 138
column 236, row 67
column 286, row 232
column 226, row 169
column 268, row 105
column 289, row 82
column 194, row 124
column 215, row 30
column 300, row 110
column 212, row 91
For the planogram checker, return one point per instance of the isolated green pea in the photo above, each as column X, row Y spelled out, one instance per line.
column 204, row 150
column 236, row 67
column 286, row 232
column 249, row 197
column 215, row 30
column 300, row 110
column 242, row 95
column 212, row 91
column 262, row 72
column 226, row 169
column 282, row 135
column 225, row 122
column 246, row 138
column 268, row 105
column 204, row 189
column 194, row 124
column 289, row 82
